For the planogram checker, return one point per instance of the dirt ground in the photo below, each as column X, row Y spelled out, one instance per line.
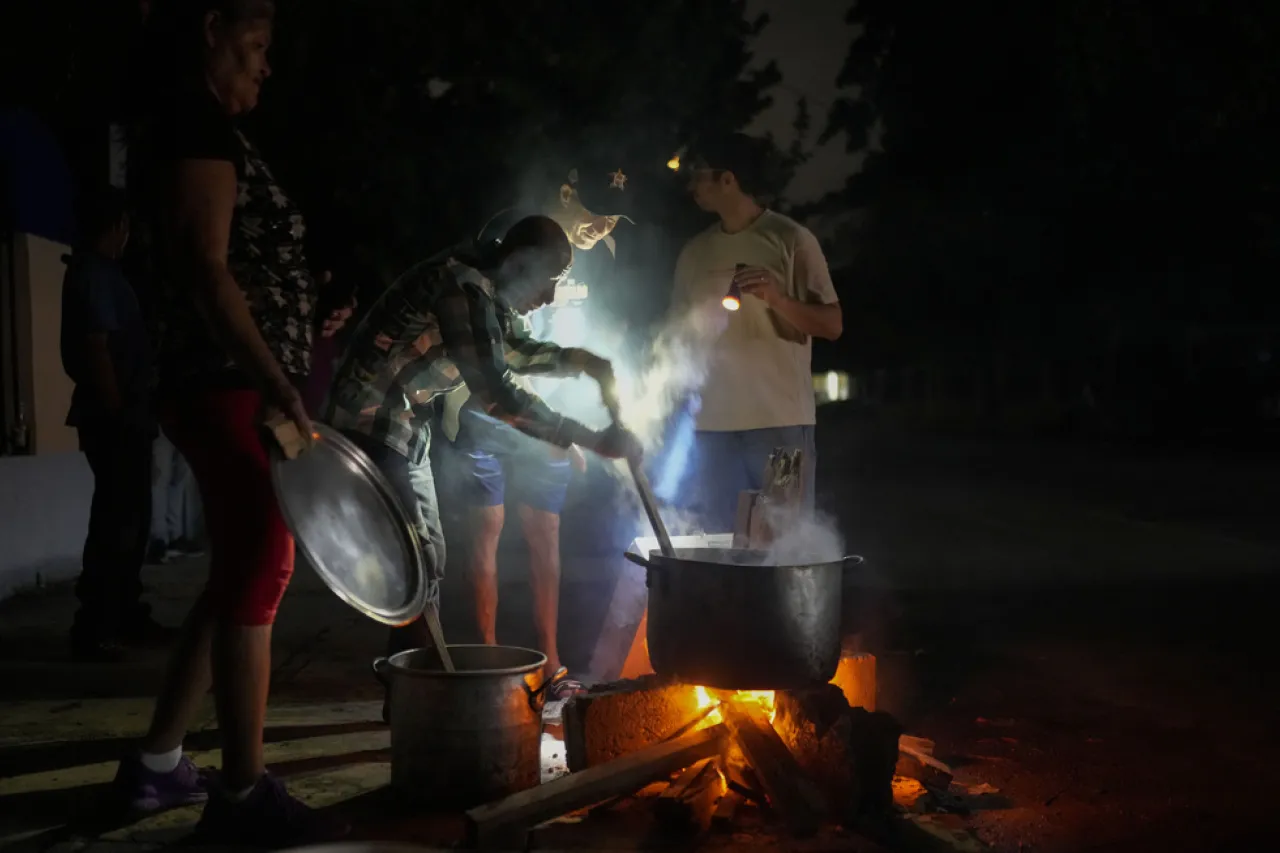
column 1122, row 719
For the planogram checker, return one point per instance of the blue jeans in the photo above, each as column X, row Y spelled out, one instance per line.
column 415, row 484
column 733, row 462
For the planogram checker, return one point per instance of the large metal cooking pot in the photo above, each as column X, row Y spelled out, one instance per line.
column 725, row 618
column 463, row 738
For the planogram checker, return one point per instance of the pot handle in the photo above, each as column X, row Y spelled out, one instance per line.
column 537, row 695
column 380, row 668
column 851, row 562
column 637, row 559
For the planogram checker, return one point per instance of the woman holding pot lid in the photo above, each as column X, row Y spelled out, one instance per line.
column 237, row 304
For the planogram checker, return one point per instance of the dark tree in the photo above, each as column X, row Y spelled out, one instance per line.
column 1061, row 187
column 412, row 121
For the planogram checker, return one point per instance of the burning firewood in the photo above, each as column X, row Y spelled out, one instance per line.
column 497, row 822
column 739, row 775
column 722, row 817
column 848, row 751
column 687, row 803
column 799, row 803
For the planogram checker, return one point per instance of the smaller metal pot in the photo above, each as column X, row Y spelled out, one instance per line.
column 463, row 738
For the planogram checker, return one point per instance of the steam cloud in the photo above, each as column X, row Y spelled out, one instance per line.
column 676, row 366
column 804, row 539
column 651, row 385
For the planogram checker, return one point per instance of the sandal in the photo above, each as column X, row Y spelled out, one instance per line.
column 560, row 686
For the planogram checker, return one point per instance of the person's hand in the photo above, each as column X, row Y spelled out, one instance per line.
column 577, row 458
column 760, row 283
column 337, row 319
column 282, row 397
column 601, row 370
column 618, row 443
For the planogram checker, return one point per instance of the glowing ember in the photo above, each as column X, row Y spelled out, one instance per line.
column 674, row 163
column 711, row 698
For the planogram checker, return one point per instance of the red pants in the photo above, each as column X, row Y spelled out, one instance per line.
column 251, row 551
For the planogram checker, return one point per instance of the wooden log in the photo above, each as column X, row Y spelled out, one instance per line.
column 798, row 802
column 849, row 752
column 739, row 775
column 916, row 744
column 722, row 817
column 687, row 803
column 497, row 822
column 915, row 763
column 681, row 732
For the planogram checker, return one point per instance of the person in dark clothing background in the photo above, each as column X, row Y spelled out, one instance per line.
column 107, row 354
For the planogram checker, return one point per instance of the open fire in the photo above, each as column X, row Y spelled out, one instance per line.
column 711, row 698
column 809, row 757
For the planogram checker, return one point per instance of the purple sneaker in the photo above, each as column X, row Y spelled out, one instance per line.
column 148, row 791
column 268, row 818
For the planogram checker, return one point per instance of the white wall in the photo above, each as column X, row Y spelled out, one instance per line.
column 44, row 515
column 44, row 388
column 44, row 498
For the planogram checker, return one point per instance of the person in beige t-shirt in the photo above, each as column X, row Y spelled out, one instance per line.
column 758, row 389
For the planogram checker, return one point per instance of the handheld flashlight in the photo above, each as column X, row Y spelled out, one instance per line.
column 733, row 299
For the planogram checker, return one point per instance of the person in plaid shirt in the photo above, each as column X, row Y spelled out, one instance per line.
column 494, row 467
column 451, row 319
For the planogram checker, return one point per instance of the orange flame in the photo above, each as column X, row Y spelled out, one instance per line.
column 731, row 303
column 712, row 699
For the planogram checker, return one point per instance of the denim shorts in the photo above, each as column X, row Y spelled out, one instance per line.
column 499, row 462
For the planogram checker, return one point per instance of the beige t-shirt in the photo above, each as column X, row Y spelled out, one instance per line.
column 758, row 366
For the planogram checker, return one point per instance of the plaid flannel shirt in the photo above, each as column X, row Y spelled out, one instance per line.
column 440, row 325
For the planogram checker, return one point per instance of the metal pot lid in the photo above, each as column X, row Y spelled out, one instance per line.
column 352, row 528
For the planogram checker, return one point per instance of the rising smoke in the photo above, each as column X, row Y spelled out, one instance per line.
column 652, row 385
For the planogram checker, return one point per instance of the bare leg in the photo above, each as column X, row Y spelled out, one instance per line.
column 542, row 533
column 486, row 529
column 239, row 658
column 185, row 684
column 241, row 675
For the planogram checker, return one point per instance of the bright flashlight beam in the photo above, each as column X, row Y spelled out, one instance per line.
column 677, row 460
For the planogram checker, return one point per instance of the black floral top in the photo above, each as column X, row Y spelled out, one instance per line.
column 265, row 256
